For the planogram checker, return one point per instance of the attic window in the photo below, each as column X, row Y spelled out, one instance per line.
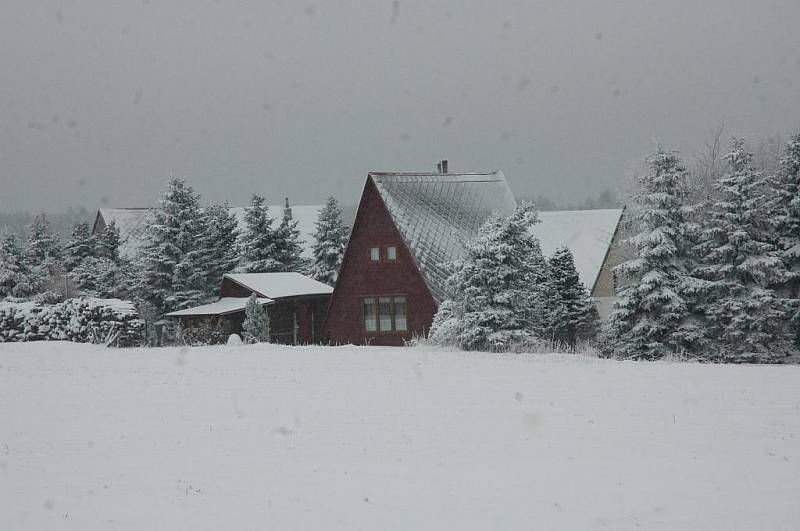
column 375, row 254
column 391, row 253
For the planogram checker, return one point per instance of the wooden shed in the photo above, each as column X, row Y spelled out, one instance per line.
column 296, row 305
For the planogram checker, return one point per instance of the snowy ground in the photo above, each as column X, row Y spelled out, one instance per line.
column 380, row 438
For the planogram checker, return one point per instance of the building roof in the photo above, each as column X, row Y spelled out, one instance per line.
column 587, row 233
column 436, row 212
column 280, row 285
column 223, row 306
column 132, row 224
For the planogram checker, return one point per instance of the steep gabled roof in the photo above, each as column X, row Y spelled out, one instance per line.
column 435, row 213
column 279, row 285
column 587, row 233
column 132, row 224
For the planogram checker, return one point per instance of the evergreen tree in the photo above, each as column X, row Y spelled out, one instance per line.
column 43, row 249
column 745, row 316
column 547, row 311
column 579, row 320
column 330, row 241
column 220, row 243
column 97, row 276
column 81, row 245
column 173, row 232
column 255, row 327
column 108, row 243
column 784, row 208
column 258, row 245
column 288, row 250
column 654, row 315
column 16, row 278
column 190, row 281
column 493, row 303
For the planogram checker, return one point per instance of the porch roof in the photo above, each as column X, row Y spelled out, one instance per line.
column 224, row 306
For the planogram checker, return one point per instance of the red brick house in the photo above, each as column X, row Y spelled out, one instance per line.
column 407, row 228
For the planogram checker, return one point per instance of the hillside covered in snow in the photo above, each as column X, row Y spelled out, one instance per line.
column 270, row 437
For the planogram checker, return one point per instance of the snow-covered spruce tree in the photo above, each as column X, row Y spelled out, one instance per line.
column 107, row 244
column 547, row 311
column 98, row 277
column 447, row 324
column 82, row 244
column 255, row 327
column 16, row 278
column 330, row 241
column 654, row 315
column 190, row 287
column 173, row 231
column 579, row 317
column 745, row 317
column 493, row 295
column 258, row 243
column 784, row 208
column 43, row 249
column 288, row 251
column 220, row 243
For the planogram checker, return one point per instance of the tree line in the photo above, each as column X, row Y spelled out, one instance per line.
column 716, row 279
column 714, row 272
column 186, row 249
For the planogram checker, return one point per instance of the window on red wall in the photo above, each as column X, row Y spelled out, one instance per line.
column 375, row 254
column 385, row 314
column 400, row 314
column 391, row 253
column 370, row 315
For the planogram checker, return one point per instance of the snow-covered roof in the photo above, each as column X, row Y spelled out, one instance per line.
column 132, row 224
column 436, row 212
column 587, row 233
column 223, row 306
column 279, row 285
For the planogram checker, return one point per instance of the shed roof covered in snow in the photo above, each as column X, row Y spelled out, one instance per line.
column 223, row 306
column 279, row 285
column 436, row 212
column 587, row 233
column 132, row 224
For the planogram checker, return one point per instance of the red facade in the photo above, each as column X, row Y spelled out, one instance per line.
column 362, row 278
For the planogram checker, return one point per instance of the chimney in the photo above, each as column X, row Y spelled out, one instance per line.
column 287, row 210
column 444, row 166
column 438, row 167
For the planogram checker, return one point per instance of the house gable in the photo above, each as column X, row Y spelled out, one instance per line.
column 360, row 277
column 606, row 285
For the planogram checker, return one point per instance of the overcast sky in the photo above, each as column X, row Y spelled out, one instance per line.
column 100, row 102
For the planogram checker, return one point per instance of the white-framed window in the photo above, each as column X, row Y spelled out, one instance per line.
column 370, row 315
column 385, row 313
column 375, row 254
column 391, row 252
column 400, row 323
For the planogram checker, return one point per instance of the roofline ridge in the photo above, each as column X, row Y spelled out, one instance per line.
column 428, row 173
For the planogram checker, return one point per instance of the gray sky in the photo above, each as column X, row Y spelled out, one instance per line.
column 101, row 101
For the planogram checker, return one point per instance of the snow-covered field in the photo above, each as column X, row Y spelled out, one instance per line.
column 379, row 438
